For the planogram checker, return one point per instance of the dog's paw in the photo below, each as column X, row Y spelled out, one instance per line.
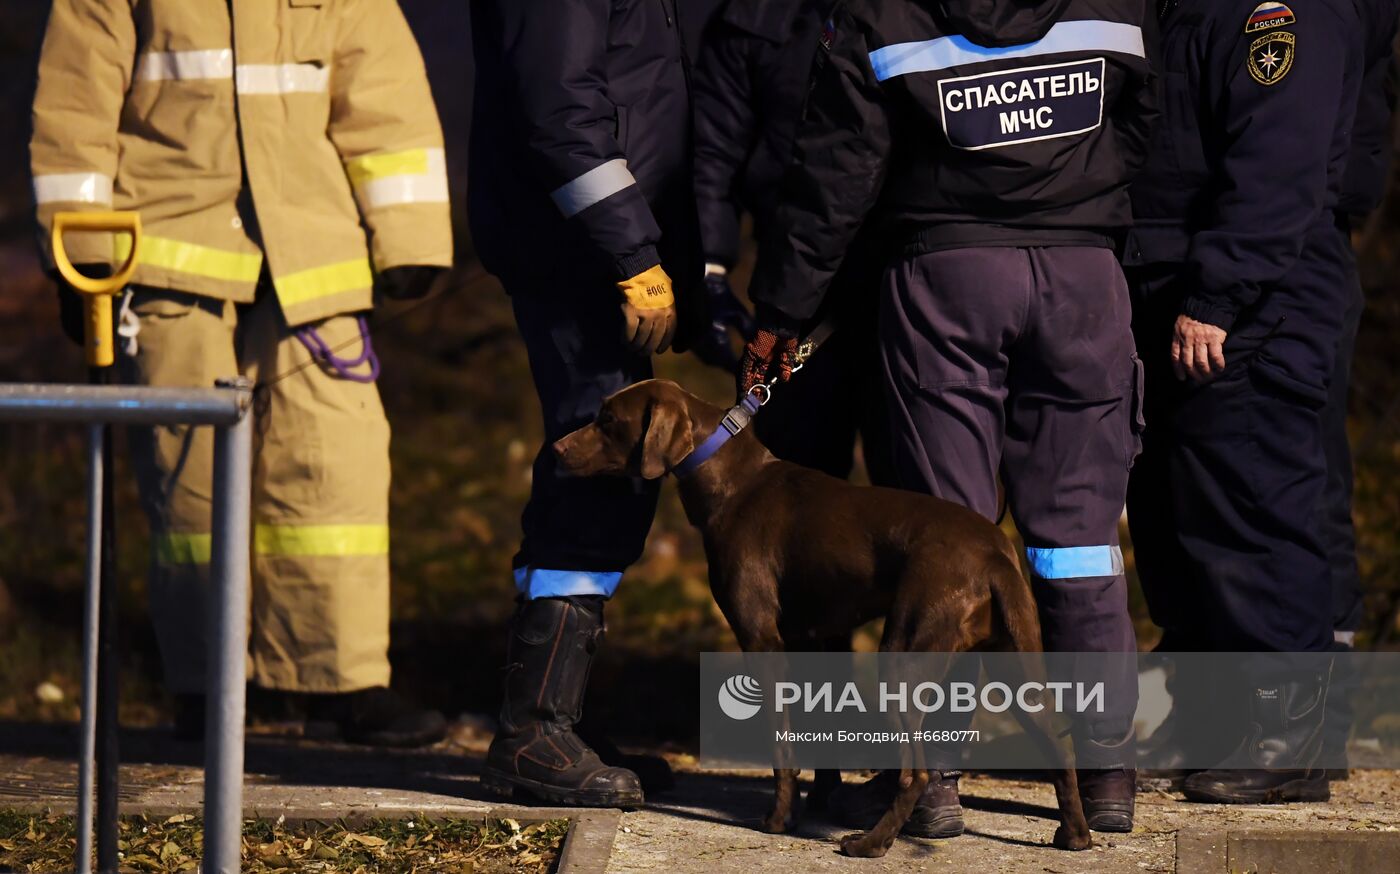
column 863, row 845
column 777, row 823
column 1069, row 839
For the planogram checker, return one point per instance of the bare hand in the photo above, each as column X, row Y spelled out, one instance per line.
column 1198, row 350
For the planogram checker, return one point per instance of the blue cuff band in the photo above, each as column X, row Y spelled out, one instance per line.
column 1071, row 562
column 541, row 583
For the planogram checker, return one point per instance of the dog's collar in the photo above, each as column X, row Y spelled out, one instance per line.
column 734, row 421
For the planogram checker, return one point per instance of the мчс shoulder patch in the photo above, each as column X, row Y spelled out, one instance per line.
column 1271, row 57
column 1269, row 15
column 1025, row 105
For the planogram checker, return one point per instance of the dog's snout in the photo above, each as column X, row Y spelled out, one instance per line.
column 560, row 447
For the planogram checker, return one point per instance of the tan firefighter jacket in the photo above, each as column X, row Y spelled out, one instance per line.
column 162, row 106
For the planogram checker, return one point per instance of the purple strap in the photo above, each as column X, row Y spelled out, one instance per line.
column 343, row 366
column 736, row 420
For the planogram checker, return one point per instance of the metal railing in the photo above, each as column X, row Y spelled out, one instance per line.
column 226, row 408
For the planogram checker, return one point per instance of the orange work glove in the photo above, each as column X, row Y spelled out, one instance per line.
column 648, row 311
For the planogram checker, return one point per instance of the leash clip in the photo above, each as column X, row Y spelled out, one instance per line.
column 742, row 413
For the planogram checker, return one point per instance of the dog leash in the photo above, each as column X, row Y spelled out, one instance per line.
column 741, row 415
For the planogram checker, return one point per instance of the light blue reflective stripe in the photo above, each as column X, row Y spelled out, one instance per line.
column 541, row 583
column 951, row 51
column 1069, row 562
column 597, row 184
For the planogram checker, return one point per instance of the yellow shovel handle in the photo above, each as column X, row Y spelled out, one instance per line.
column 97, row 291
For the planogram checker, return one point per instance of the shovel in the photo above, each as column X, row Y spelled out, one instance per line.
column 99, row 751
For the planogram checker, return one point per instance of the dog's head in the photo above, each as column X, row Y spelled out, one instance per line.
column 644, row 430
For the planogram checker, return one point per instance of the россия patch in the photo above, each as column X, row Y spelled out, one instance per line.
column 992, row 110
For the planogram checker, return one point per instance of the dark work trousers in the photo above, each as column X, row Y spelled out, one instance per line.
column 1225, row 502
column 1338, row 533
column 580, row 532
column 814, row 419
column 1020, row 361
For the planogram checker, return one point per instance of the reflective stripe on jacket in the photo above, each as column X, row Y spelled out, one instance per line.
column 580, row 148
column 955, row 124
column 162, row 106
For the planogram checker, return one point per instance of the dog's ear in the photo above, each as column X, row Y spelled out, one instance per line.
column 668, row 438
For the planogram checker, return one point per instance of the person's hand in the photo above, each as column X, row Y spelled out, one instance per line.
column 648, row 311
column 72, row 314
column 770, row 353
column 1198, row 350
column 409, row 282
column 714, row 346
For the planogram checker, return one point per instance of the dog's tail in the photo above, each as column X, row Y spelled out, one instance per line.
column 1015, row 603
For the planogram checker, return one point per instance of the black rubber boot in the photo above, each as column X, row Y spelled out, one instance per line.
column 1107, row 782
column 1198, row 730
column 937, row 814
column 1275, row 762
column 654, row 771
column 1340, row 704
column 552, row 644
column 376, row 717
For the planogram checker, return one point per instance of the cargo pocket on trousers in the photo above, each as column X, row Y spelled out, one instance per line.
column 161, row 304
column 1137, row 422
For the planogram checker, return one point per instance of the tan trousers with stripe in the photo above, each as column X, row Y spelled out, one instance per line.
column 320, row 594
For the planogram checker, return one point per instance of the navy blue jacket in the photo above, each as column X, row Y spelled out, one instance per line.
column 1368, row 165
column 580, row 146
column 1252, row 148
column 962, row 123
column 750, row 83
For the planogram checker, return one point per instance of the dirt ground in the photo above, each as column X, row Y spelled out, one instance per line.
column 705, row 824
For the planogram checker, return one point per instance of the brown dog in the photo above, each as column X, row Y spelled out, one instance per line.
column 798, row 558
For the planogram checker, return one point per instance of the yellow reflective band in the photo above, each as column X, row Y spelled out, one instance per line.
column 367, row 168
column 309, row 540
column 184, row 548
column 319, row 282
column 193, row 258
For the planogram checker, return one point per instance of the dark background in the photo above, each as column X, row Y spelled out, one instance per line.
column 466, row 425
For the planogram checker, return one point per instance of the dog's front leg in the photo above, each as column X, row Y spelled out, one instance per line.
column 783, row 816
column 877, row 842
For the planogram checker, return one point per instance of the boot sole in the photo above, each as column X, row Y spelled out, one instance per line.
column 1292, row 791
column 509, row 785
column 1111, row 823
column 935, row 823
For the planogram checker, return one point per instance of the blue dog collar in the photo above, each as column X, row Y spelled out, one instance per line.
column 736, row 420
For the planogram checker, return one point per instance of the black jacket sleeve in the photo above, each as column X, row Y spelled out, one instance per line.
column 1368, row 162
column 1139, row 107
column 725, row 126
column 553, row 51
column 1273, row 171
column 834, row 179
